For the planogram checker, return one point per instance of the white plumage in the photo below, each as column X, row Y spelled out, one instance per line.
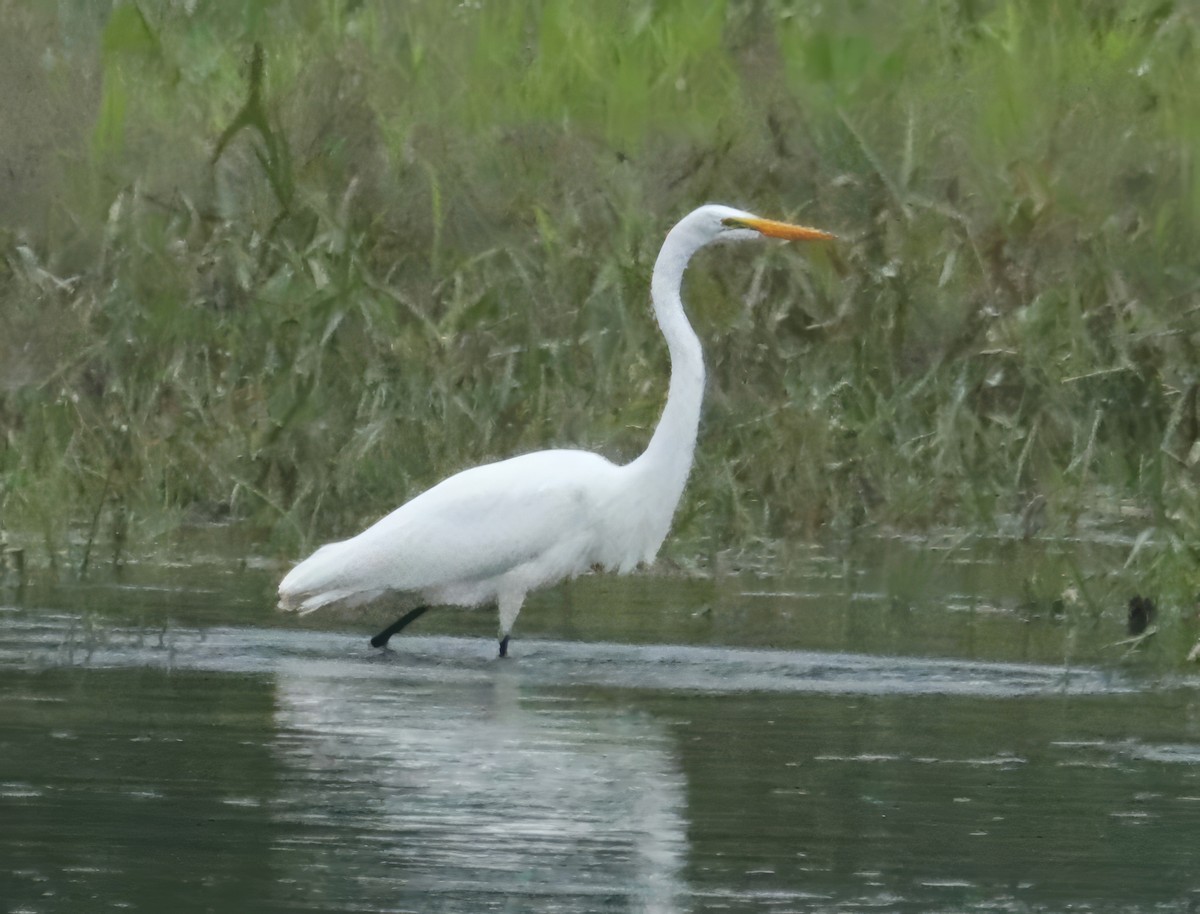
column 493, row 533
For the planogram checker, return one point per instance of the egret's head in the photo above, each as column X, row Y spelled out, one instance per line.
column 735, row 225
column 714, row 223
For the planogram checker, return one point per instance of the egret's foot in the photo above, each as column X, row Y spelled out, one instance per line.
column 384, row 636
column 504, row 646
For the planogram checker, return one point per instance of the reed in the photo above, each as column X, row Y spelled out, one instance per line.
column 302, row 260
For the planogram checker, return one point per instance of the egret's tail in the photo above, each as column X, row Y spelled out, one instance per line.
column 319, row 581
column 304, row 603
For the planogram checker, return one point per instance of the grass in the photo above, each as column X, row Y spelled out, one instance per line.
column 290, row 263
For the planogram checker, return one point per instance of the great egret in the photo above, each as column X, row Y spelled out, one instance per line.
column 493, row 533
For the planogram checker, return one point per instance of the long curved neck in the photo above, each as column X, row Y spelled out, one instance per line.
column 668, row 458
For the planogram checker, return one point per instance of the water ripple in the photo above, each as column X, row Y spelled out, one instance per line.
column 62, row 640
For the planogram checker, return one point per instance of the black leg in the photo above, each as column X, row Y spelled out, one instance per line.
column 504, row 646
column 381, row 639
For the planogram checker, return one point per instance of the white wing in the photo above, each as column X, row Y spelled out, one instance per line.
column 472, row 527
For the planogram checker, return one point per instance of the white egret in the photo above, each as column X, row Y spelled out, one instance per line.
column 491, row 534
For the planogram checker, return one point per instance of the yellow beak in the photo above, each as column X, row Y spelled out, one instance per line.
column 785, row 230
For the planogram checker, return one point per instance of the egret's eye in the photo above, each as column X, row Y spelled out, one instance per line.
column 733, row 222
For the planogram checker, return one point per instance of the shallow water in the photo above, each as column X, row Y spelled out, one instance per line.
column 155, row 757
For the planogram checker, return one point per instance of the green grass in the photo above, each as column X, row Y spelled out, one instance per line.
column 423, row 239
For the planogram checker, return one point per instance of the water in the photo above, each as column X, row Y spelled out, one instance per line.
column 154, row 756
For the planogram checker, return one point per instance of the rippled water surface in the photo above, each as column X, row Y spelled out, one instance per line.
column 184, row 749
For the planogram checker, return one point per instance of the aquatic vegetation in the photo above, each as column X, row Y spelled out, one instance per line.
column 303, row 260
